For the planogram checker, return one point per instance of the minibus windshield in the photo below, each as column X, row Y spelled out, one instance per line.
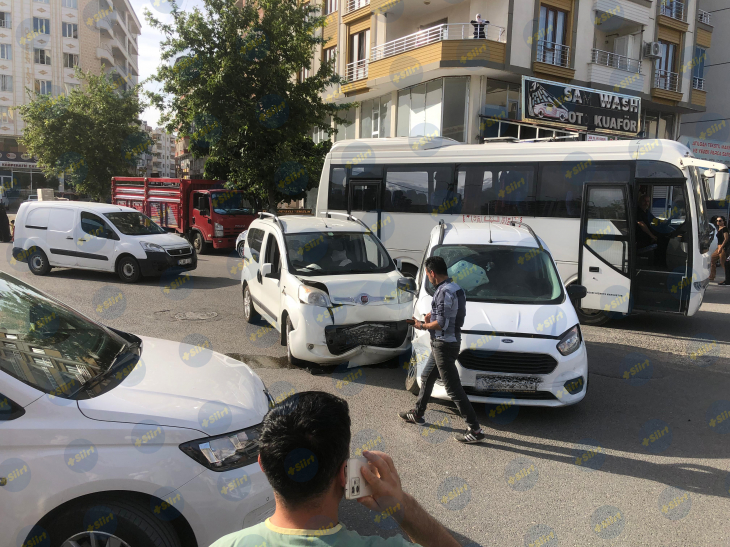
column 507, row 274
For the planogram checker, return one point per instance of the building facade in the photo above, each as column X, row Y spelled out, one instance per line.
column 41, row 42
column 163, row 154
column 425, row 68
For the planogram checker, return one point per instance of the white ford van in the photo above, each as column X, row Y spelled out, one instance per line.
column 96, row 236
column 329, row 286
column 521, row 339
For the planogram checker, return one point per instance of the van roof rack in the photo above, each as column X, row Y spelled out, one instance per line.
column 263, row 214
column 348, row 216
column 529, row 229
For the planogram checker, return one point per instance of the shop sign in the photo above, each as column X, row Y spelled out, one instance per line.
column 582, row 108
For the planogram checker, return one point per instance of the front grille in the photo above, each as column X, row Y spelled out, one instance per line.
column 533, row 395
column 504, row 361
column 182, row 251
column 341, row 339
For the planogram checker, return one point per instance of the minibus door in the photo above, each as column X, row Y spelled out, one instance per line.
column 364, row 203
column 604, row 262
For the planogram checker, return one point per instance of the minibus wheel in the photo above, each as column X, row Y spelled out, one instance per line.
column 594, row 318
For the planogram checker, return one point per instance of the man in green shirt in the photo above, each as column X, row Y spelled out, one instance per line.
column 304, row 445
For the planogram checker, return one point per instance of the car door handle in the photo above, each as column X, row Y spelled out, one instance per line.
column 69, row 238
column 3, row 481
column 593, row 269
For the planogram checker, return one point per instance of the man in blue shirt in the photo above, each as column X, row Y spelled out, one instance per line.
column 444, row 322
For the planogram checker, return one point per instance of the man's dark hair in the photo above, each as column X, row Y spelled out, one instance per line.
column 437, row 265
column 305, row 424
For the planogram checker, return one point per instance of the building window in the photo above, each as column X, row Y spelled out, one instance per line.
column 304, row 74
column 43, row 87
column 358, row 52
column 70, row 30
column 42, row 26
column 6, row 114
column 6, row 52
column 70, row 4
column 330, row 6
column 346, row 130
column 375, row 118
column 329, row 54
column 42, row 56
column 425, row 110
column 6, row 20
column 70, row 60
column 71, row 87
column 551, row 38
column 42, row 1
column 698, row 71
column 6, row 83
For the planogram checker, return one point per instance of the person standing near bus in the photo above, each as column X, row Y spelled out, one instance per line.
column 444, row 322
column 721, row 251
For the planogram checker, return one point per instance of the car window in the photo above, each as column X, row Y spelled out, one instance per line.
column 273, row 256
column 255, row 239
column 95, row 226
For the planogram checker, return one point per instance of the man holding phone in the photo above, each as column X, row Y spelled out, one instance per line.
column 444, row 322
column 314, row 427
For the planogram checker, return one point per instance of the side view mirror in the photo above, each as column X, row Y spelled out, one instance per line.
column 407, row 284
column 266, row 269
column 576, row 292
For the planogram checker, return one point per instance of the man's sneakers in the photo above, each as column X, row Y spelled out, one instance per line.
column 412, row 417
column 470, row 436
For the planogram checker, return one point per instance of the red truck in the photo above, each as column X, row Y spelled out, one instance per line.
column 202, row 211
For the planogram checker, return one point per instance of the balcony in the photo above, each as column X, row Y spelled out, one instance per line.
column 354, row 5
column 698, row 83
column 614, row 60
column 663, row 79
column 703, row 17
column 673, row 9
column 553, row 54
column 357, row 71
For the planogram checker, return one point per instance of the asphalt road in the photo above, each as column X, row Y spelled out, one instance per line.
column 580, row 475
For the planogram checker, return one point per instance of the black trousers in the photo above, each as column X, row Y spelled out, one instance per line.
column 442, row 362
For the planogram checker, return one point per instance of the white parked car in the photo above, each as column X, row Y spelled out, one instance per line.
column 329, row 287
column 115, row 440
column 521, row 339
column 97, row 236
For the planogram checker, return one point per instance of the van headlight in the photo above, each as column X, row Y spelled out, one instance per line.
column 225, row 452
column 217, row 229
column 152, row 247
column 570, row 342
column 314, row 297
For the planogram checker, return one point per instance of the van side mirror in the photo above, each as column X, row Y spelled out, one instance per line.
column 266, row 269
column 576, row 292
column 407, row 284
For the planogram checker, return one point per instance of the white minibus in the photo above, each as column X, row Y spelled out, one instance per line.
column 627, row 219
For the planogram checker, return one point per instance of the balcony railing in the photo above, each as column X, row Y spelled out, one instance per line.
column 456, row 31
column 357, row 70
column 703, row 16
column 698, row 83
column 6, row 23
column 663, row 79
column 674, row 9
column 353, row 5
column 553, row 54
column 615, row 60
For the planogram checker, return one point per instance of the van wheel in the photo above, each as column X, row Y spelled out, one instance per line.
column 240, row 248
column 119, row 524
column 38, row 263
column 412, row 379
column 199, row 243
column 293, row 361
column 128, row 269
column 249, row 313
column 594, row 318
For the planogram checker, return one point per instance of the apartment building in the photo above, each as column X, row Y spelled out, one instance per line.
column 159, row 159
column 40, row 44
column 525, row 68
column 186, row 166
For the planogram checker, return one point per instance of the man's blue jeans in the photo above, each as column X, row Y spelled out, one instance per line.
column 442, row 362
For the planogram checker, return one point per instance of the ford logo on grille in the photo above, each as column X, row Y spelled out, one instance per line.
column 363, row 299
column 507, row 340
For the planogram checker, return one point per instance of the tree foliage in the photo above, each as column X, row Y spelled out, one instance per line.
column 91, row 134
column 229, row 82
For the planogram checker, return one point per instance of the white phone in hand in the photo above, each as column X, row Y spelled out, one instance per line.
column 356, row 486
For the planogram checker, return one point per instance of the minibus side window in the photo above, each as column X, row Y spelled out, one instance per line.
column 420, row 189
column 337, row 195
column 497, row 189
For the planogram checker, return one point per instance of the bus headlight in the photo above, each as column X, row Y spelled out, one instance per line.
column 570, row 342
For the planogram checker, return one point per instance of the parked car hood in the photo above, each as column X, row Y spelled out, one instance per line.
column 164, row 240
column 181, row 385
column 550, row 320
column 344, row 289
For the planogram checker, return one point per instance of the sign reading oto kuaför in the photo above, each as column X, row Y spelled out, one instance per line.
column 582, row 108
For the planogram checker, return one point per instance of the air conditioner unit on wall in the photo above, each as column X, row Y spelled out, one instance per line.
column 652, row 50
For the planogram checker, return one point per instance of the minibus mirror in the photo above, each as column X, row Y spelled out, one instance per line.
column 407, row 284
column 576, row 292
column 719, row 190
column 266, row 269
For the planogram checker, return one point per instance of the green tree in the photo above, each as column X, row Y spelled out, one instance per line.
column 234, row 90
column 91, row 134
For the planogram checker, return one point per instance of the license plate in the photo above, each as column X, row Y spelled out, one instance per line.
column 506, row 383
column 184, row 261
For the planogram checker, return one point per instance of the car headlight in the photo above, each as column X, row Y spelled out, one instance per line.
column 570, row 342
column 314, row 297
column 218, row 229
column 152, row 247
column 225, row 452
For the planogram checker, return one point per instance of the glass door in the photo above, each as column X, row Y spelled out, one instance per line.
column 364, row 203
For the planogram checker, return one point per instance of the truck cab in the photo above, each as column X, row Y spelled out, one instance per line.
column 217, row 217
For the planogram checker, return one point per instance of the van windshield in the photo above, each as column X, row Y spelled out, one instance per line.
column 497, row 273
column 336, row 253
column 134, row 224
